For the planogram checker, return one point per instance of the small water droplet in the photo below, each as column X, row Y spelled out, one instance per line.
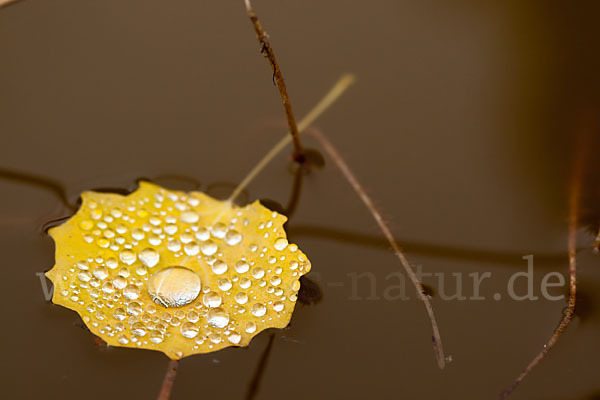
column 278, row 306
column 209, row 248
column 233, row 237
column 174, row 245
column 127, row 256
column 211, row 299
column 217, row 318
column 219, row 230
column 189, row 330
column 258, row 310
column 241, row 298
column 138, row 329
column 242, row 266
column 149, row 257
column 131, row 292
column 280, row 244
column 250, row 327
column 189, row 217
column 134, row 308
column 219, row 267
column 234, row 338
column 192, row 248
column 101, row 272
column 112, row 263
column 155, row 336
column 258, row 273
column 224, row 284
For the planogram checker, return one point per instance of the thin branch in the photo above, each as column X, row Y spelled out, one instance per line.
column 254, row 385
column 334, row 93
column 4, row 3
column 574, row 203
column 168, row 381
column 294, row 198
column 470, row 254
column 351, row 178
column 43, row 182
column 268, row 52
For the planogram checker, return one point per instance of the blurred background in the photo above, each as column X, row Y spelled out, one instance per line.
column 461, row 126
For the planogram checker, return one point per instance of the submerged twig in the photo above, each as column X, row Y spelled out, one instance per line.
column 573, row 216
column 43, row 182
column 168, row 381
column 334, row 93
column 292, row 204
column 351, row 178
column 269, row 54
column 260, row 370
column 4, row 3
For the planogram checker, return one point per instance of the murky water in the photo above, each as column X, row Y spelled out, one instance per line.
column 460, row 127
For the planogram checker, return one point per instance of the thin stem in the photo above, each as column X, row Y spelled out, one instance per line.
column 574, row 201
column 4, row 3
column 43, row 182
column 351, row 178
column 268, row 52
column 294, row 198
column 334, row 93
column 254, row 385
column 168, row 381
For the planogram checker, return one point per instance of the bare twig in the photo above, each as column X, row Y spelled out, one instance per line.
column 267, row 51
column 574, row 203
column 351, row 178
column 43, row 182
column 332, row 95
column 168, row 381
column 4, row 3
column 260, row 370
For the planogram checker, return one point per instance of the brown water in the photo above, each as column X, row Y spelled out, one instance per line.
column 459, row 127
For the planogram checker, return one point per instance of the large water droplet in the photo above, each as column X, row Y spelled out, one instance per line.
column 174, row 286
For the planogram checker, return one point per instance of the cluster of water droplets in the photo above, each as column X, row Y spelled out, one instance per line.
column 142, row 288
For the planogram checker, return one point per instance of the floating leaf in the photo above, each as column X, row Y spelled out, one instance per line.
column 181, row 273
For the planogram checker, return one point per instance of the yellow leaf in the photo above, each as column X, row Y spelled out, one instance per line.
column 181, row 273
